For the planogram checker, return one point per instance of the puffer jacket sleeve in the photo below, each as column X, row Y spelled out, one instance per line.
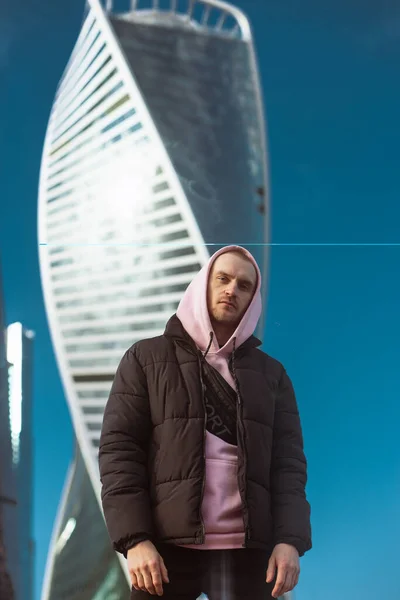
column 290, row 508
column 123, row 446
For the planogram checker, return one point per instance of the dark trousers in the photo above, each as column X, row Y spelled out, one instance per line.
column 220, row 574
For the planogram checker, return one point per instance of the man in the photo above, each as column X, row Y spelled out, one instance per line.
column 201, row 451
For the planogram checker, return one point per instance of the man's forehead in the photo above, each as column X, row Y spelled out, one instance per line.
column 224, row 264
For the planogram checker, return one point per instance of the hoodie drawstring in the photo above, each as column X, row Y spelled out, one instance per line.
column 209, row 344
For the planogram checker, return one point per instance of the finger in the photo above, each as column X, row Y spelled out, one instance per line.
column 289, row 583
column 280, row 582
column 134, row 580
column 296, row 578
column 140, row 581
column 148, row 580
column 278, row 589
column 156, row 578
column 164, row 572
column 291, row 580
column 271, row 569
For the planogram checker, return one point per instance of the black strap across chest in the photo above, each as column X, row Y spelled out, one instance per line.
column 221, row 404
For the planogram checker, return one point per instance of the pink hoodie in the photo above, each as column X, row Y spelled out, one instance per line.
column 222, row 506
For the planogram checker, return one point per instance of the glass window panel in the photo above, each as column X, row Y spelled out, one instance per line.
column 93, row 426
column 93, row 363
column 92, row 393
column 93, row 284
column 93, row 410
column 128, row 294
column 123, row 327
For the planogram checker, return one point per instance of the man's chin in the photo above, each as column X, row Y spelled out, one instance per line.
column 225, row 316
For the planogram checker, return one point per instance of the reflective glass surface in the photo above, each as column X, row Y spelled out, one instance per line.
column 202, row 96
column 85, row 565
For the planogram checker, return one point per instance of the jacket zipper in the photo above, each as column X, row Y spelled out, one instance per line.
column 240, row 429
column 200, row 540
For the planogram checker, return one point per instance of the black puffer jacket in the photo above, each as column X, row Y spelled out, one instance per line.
column 152, row 447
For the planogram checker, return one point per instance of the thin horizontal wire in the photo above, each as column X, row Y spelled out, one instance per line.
column 221, row 244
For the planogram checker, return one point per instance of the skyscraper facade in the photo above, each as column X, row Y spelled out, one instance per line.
column 19, row 359
column 154, row 155
column 8, row 514
column 82, row 564
column 16, row 462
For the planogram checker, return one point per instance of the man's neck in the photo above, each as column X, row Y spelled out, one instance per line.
column 222, row 334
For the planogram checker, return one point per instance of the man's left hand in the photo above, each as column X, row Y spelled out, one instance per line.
column 285, row 559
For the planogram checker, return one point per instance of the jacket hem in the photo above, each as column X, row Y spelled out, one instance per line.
column 219, row 541
column 189, row 542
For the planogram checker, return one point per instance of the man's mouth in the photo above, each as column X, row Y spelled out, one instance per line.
column 227, row 303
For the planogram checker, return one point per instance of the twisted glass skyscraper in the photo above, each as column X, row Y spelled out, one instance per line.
column 155, row 149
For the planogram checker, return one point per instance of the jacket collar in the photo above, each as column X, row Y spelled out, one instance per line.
column 175, row 330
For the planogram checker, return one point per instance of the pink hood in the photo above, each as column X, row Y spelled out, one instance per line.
column 193, row 312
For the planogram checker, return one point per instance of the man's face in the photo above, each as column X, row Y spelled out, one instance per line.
column 231, row 286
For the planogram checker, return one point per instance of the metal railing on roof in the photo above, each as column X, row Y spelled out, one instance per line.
column 215, row 15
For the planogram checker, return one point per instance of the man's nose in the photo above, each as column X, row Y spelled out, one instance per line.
column 231, row 289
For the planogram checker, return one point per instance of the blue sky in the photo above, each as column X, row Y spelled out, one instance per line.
column 330, row 73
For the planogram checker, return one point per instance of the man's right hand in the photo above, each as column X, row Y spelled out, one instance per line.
column 146, row 568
